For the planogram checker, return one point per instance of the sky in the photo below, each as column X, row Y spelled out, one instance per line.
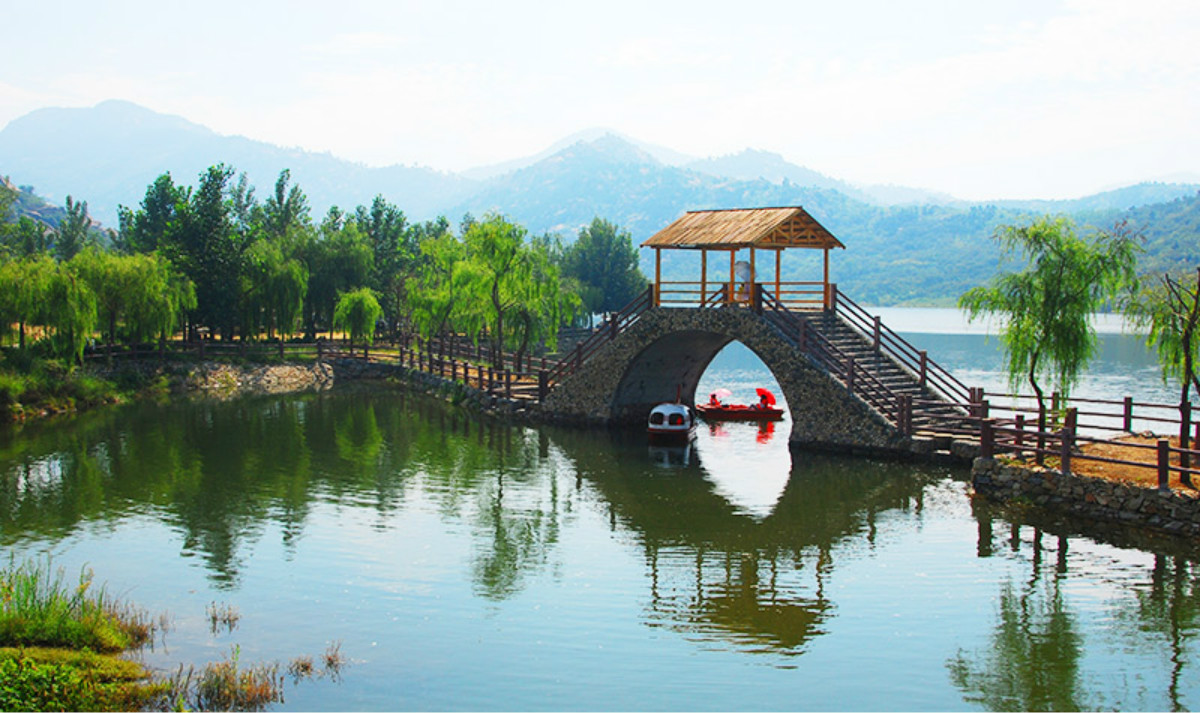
column 981, row 100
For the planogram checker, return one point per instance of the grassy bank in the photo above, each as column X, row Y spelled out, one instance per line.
column 33, row 386
column 60, row 646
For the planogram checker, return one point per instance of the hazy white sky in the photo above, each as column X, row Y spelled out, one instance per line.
column 995, row 99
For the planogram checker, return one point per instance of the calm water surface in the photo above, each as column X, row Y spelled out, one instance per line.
column 468, row 564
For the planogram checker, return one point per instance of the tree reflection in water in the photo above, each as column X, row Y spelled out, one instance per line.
column 718, row 571
column 1033, row 662
column 1037, row 653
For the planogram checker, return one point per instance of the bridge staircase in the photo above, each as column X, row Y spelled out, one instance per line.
column 899, row 381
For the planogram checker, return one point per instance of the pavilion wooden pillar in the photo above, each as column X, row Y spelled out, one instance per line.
column 753, row 270
column 703, row 276
column 825, row 283
column 778, row 258
column 729, row 299
column 657, row 277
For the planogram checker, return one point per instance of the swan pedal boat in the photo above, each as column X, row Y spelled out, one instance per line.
column 670, row 422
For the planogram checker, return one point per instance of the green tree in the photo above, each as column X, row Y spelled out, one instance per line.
column 24, row 285
column 274, row 290
column 338, row 260
column 356, row 313
column 436, row 297
column 26, row 238
column 497, row 259
column 393, row 251
column 147, row 228
column 1170, row 310
column 141, row 292
column 74, row 233
column 70, row 310
column 207, row 241
column 1046, row 305
column 544, row 302
column 605, row 263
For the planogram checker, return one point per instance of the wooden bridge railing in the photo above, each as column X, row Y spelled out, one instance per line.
column 893, row 405
column 617, row 323
column 928, row 372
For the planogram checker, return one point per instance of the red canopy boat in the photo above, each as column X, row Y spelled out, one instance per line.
column 764, row 410
column 739, row 412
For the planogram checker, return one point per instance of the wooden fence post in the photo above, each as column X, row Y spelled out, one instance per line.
column 875, row 336
column 1020, row 433
column 1040, row 458
column 543, row 385
column 924, row 366
column 850, row 374
column 1128, row 422
column 1064, row 454
column 1164, row 464
column 987, row 446
column 1185, row 428
column 508, row 384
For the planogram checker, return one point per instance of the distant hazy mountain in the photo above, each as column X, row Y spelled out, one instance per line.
column 661, row 154
column 110, row 153
column 1117, row 199
column 904, row 246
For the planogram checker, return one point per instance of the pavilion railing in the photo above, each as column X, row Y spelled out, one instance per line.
column 795, row 295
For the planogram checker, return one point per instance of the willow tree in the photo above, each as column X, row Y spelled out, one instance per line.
column 1047, row 305
column 70, row 310
column 437, row 297
column 497, row 256
column 273, row 290
column 544, row 303
column 24, row 285
column 1170, row 311
column 356, row 313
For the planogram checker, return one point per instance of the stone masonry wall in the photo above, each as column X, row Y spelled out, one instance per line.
column 1092, row 498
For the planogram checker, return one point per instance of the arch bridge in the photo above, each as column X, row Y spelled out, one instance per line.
column 851, row 383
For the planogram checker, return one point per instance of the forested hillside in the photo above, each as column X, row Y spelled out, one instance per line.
column 916, row 253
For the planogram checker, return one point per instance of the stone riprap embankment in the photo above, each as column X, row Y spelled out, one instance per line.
column 218, row 379
column 1096, row 499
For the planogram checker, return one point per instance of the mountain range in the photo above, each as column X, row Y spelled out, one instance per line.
column 900, row 241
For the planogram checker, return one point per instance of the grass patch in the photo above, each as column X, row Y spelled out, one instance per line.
column 225, row 685
column 55, row 680
column 39, row 607
column 60, row 638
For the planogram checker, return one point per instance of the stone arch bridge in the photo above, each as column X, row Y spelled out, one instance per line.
column 851, row 383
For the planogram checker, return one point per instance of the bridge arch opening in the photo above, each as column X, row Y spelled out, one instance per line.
column 688, row 366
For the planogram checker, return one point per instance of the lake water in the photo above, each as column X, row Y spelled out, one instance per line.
column 465, row 563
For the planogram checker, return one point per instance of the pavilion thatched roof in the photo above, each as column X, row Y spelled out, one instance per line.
column 765, row 228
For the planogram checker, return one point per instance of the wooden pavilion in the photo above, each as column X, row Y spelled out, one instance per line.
column 756, row 229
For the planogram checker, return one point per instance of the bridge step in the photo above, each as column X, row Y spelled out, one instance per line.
column 928, row 415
